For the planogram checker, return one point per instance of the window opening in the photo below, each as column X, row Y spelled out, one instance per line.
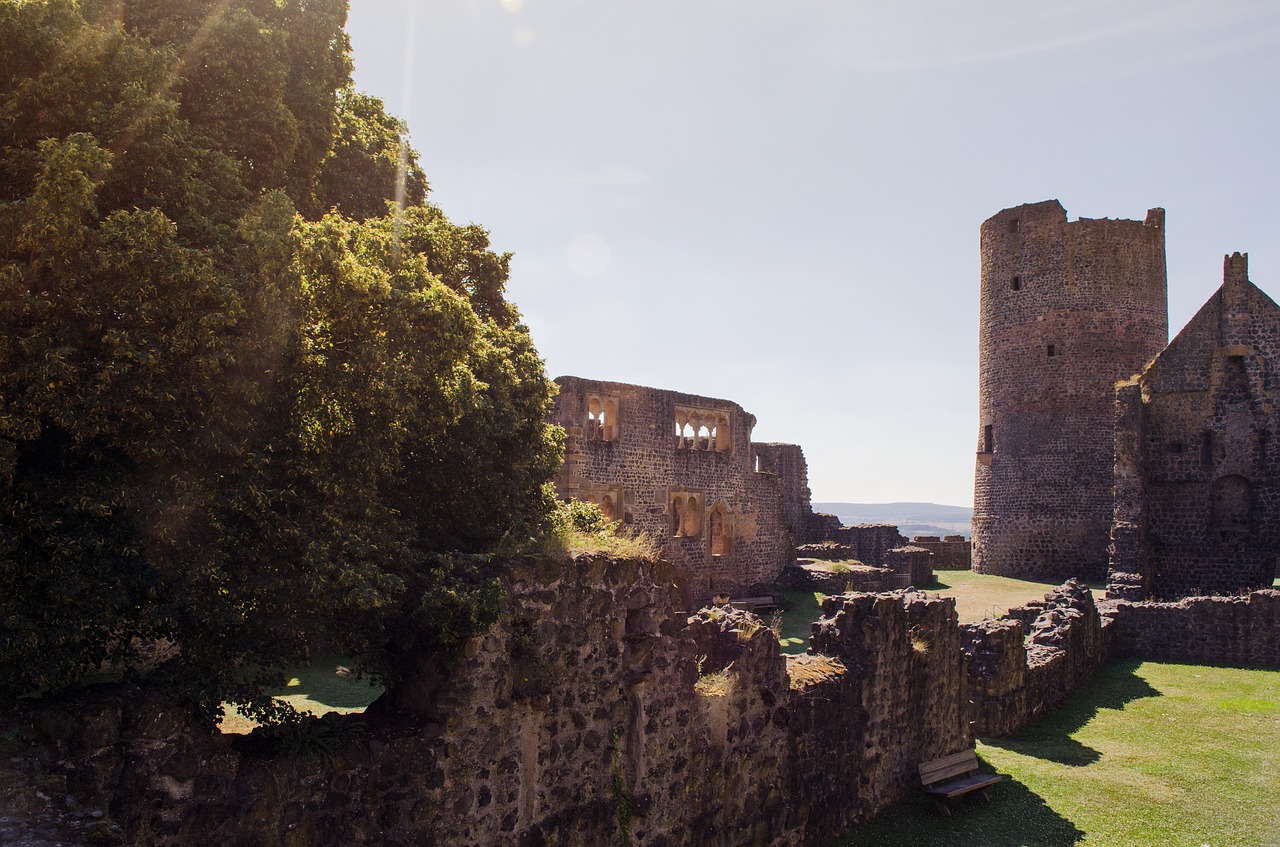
column 1016, row 284
column 1053, row 351
column 988, row 439
column 602, row 418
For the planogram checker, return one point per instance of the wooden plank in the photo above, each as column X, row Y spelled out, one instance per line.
column 964, row 786
column 948, row 766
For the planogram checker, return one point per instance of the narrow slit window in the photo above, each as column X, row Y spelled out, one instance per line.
column 988, row 440
column 1013, row 225
column 1053, row 351
column 1016, row 284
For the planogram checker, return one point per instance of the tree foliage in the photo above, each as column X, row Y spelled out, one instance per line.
column 253, row 391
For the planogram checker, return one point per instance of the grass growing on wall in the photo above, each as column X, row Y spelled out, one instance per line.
column 1146, row 754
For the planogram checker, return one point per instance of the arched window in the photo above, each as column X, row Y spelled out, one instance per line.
column 693, row 516
column 602, row 418
column 703, row 429
column 720, row 523
column 677, row 515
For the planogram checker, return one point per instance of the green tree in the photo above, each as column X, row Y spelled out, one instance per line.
column 224, row 422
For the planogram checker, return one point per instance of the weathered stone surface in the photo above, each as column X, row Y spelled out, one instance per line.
column 682, row 468
column 1067, row 310
column 1197, row 469
column 953, row 553
column 1234, row 631
column 1029, row 662
column 577, row 718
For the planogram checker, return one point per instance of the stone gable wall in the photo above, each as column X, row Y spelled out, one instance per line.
column 1067, row 309
column 1197, row 467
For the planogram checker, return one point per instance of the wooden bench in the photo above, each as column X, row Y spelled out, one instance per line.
column 940, row 782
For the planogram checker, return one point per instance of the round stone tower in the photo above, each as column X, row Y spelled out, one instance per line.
column 1067, row 310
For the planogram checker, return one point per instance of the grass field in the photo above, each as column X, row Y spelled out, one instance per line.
column 977, row 596
column 1145, row 754
column 980, row 596
column 316, row 689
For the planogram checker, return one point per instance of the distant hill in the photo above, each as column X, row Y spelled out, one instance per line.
column 912, row 519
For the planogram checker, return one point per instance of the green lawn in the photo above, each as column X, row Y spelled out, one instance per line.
column 316, row 689
column 1145, row 754
column 802, row 609
column 979, row 596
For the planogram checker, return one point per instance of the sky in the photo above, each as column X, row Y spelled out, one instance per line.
column 778, row 203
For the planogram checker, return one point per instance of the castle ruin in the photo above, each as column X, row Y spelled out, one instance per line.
column 682, row 468
column 1197, row 469
column 1067, row 310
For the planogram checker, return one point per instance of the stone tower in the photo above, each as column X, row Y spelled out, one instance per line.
column 1067, row 310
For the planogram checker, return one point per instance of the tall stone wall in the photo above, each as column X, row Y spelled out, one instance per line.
column 680, row 467
column 1067, row 310
column 787, row 463
column 1197, row 467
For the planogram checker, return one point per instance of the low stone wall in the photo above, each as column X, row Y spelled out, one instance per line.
column 843, row 579
column 871, row 542
column 1235, row 631
column 589, row 715
column 914, row 562
column 1029, row 662
column 828, row 551
column 952, row 553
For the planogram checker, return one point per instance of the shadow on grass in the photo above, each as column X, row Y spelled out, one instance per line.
column 1051, row 737
column 1015, row 817
column 320, row 684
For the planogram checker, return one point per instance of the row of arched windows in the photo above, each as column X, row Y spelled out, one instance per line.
column 703, row 429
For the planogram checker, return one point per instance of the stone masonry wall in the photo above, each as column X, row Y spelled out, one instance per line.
column 871, row 542
column 953, row 553
column 1067, row 310
column 588, row 711
column 1234, row 631
column 1030, row 661
column 787, row 463
column 720, row 522
column 1197, row 467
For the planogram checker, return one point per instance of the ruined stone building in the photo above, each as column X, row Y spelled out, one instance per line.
column 682, row 468
column 1098, row 446
column 1067, row 310
column 1197, row 466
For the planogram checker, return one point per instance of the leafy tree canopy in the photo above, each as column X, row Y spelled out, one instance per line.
column 253, row 391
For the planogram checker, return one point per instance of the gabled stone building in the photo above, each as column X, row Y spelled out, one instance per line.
column 1197, row 464
column 683, row 469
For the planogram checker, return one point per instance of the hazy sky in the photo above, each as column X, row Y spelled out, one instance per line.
column 778, row 202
